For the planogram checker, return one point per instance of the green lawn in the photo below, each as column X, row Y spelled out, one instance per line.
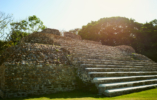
column 79, row 95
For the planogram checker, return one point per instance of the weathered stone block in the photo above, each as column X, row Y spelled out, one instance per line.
column 126, row 49
column 52, row 31
column 72, row 35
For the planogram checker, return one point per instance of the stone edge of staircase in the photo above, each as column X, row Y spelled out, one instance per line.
column 1, row 94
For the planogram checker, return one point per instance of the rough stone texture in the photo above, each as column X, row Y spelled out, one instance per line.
column 52, row 31
column 38, row 37
column 139, row 57
column 30, row 79
column 93, row 42
column 35, row 69
column 46, row 63
column 34, row 53
column 2, row 80
column 126, row 49
column 72, row 35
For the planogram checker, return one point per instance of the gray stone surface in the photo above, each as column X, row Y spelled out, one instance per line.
column 72, row 35
column 30, row 79
column 45, row 63
column 52, row 31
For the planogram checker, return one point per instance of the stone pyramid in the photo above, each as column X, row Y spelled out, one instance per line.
column 45, row 63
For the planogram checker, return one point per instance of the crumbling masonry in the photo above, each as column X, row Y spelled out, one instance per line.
column 45, row 62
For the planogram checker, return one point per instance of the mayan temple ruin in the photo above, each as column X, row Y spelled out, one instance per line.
column 46, row 62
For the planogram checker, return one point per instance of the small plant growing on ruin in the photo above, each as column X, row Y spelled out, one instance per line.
column 57, row 50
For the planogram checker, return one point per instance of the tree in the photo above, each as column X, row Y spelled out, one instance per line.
column 147, row 39
column 75, row 31
column 124, row 31
column 17, row 35
column 4, row 21
column 111, row 31
column 24, row 27
column 30, row 25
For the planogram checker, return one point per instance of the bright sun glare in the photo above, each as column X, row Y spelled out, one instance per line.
column 96, row 9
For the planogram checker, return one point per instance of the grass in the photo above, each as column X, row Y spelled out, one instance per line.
column 80, row 95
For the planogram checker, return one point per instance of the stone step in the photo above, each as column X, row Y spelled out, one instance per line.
column 84, row 49
column 107, row 58
column 101, row 62
column 91, row 53
column 112, row 59
column 126, row 84
column 79, row 47
column 120, row 91
column 114, row 74
column 111, row 66
column 133, row 61
column 116, row 62
column 85, row 55
column 119, row 69
column 101, row 80
column 120, row 64
column 93, row 57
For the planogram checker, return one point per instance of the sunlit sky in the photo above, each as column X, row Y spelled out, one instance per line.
column 70, row 14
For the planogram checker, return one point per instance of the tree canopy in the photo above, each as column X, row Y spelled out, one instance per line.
column 115, row 31
column 30, row 25
column 24, row 27
column 5, row 19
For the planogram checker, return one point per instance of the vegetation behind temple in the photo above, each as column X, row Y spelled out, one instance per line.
column 19, row 29
column 115, row 31
column 111, row 31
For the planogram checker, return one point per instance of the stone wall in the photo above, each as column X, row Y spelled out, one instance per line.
column 37, row 54
column 72, row 35
column 33, row 69
column 29, row 79
column 126, row 49
column 52, row 31
column 93, row 42
column 139, row 57
column 2, row 80
column 38, row 37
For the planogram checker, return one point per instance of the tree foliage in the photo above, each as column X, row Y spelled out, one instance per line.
column 75, row 31
column 123, row 31
column 16, row 36
column 19, row 30
column 30, row 25
column 24, row 27
column 4, row 21
column 111, row 31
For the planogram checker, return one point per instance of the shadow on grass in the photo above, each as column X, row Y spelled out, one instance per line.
column 83, row 95
column 63, row 95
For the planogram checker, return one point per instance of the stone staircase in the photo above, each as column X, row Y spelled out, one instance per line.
column 113, row 71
